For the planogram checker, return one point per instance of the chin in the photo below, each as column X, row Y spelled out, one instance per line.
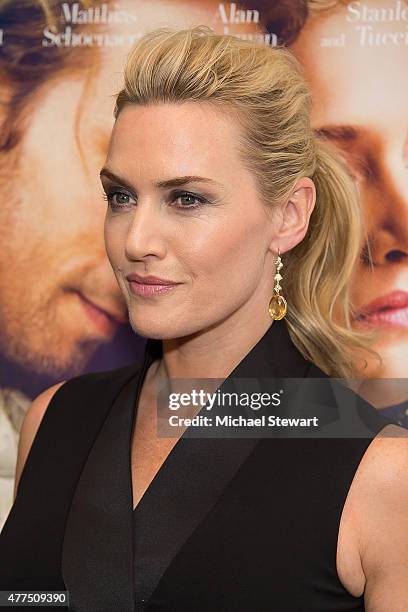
column 161, row 329
column 157, row 330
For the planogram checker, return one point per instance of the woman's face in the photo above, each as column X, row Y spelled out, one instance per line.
column 210, row 236
column 360, row 100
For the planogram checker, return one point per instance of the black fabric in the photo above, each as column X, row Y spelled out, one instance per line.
column 226, row 524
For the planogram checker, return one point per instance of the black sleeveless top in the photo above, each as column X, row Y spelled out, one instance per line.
column 227, row 524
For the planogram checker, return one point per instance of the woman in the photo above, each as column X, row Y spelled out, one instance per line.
column 68, row 318
column 212, row 174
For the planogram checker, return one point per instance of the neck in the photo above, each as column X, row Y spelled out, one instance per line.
column 213, row 353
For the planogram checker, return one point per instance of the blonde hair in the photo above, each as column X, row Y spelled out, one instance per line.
column 265, row 90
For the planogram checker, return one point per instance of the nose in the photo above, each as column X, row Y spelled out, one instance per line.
column 388, row 209
column 145, row 233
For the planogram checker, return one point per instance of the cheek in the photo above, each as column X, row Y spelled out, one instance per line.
column 230, row 253
column 371, row 206
column 114, row 238
column 362, row 285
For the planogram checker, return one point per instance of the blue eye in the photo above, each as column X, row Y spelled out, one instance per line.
column 120, row 199
column 109, row 197
column 185, row 194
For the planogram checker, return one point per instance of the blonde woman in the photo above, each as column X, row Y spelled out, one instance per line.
column 233, row 234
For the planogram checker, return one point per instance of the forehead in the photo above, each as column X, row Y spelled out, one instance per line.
column 356, row 81
column 171, row 139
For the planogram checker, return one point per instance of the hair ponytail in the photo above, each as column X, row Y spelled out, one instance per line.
column 319, row 272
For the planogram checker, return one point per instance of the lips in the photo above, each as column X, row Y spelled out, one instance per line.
column 394, row 300
column 114, row 316
column 150, row 286
column 150, row 280
column 390, row 310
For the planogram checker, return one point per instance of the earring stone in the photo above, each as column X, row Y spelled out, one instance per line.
column 277, row 305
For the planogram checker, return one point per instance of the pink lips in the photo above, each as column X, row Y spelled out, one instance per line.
column 390, row 310
column 105, row 321
column 150, row 280
column 149, row 285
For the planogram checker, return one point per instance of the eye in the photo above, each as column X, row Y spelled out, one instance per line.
column 120, row 199
column 121, row 202
column 179, row 195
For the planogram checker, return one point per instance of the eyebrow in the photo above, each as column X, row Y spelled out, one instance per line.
column 166, row 184
column 345, row 133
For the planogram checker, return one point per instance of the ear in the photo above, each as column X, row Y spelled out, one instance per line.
column 292, row 218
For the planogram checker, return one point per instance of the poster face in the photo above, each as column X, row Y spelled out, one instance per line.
column 61, row 310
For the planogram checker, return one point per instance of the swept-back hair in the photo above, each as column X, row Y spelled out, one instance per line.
column 264, row 89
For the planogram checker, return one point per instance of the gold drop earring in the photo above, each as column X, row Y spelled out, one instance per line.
column 277, row 305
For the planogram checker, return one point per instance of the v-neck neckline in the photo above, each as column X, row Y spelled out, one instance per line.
column 154, row 351
column 140, row 377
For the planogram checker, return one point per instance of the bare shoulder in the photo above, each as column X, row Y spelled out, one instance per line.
column 30, row 425
column 383, row 471
column 386, row 455
column 381, row 494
